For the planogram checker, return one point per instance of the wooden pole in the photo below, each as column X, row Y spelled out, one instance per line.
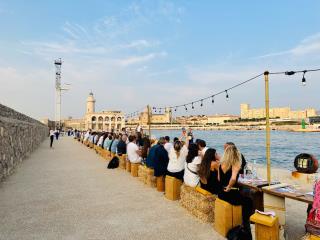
column 267, row 105
column 149, row 121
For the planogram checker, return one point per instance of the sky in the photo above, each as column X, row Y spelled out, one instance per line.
column 159, row 52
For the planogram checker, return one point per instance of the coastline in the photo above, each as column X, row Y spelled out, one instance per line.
column 288, row 128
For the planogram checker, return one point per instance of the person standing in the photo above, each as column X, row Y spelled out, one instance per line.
column 51, row 137
column 57, row 134
column 190, row 136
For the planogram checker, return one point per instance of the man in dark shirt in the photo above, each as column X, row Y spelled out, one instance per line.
column 122, row 146
column 151, row 156
column 161, row 159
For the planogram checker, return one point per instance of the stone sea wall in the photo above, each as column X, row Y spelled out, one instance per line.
column 19, row 136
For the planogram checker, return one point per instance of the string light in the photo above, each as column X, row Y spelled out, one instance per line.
column 226, row 91
column 227, row 95
column 304, row 79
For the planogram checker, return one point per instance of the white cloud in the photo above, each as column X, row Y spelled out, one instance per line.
column 308, row 46
column 140, row 59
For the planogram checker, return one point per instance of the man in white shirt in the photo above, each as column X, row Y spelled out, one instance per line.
column 133, row 151
column 86, row 136
column 168, row 145
column 100, row 140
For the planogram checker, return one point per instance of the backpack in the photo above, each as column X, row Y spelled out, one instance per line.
column 114, row 163
column 313, row 219
column 239, row 233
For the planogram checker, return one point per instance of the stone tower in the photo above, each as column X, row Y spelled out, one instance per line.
column 90, row 103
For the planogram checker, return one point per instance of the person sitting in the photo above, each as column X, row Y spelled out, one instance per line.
column 152, row 153
column 244, row 162
column 208, row 171
column 191, row 177
column 133, row 150
column 100, row 140
column 145, row 149
column 96, row 139
column 122, row 146
column 114, row 144
column 139, row 140
column 161, row 159
column 177, row 159
column 202, row 147
column 228, row 177
column 107, row 142
column 168, row 145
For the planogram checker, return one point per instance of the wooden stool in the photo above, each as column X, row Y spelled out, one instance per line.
column 123, row 159
column 134, row 169
column 226, row 216
column 142, row 173
column 128, row 166
column 267, row 227
column 313, row 237
column 160, row 184
column 108, row 155
column 150, row 179
column 172, row 187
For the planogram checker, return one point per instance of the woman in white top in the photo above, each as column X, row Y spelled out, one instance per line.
column 191, row 177
column 177, row 159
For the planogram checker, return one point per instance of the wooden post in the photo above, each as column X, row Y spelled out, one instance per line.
column 149, row 121
column 267, row 106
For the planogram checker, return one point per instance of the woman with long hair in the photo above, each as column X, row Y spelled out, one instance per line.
column 177, row 159
column 145, row 148
column 208, row 171
column 228, row 177
column 191, row 177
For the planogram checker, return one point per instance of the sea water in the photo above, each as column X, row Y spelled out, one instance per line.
column 285, row 146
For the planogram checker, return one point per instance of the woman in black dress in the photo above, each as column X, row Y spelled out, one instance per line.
column 208, row 171
column 228, row 177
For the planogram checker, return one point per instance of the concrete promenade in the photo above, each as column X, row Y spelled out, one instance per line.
column 68, row 193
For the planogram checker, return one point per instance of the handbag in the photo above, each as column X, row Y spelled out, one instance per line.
column 239, row 233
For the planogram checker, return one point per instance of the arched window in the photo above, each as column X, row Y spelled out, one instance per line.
column 119, row 119
column 113, row 119
column 106, row 119
column 100, row 119
column 93, row 119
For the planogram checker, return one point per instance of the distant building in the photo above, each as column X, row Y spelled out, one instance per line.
column 97, row 121
column 221, row 119
column 217, row 119
column 156, row 118
column 283, row 112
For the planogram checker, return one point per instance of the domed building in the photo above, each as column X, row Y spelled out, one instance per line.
column 97, row 121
